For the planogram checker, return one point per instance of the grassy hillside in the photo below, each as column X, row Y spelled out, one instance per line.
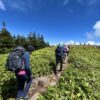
column 41, row 64
column 81, row 80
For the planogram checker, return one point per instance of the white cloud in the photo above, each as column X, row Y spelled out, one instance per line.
column 77, row 43
column 95, row 33
column 90, row 35
column 66, row 2
column 70, row 42
column 2, row 5
column 90, row 43
column 96, row 28
column 21, row 5
column 18, row 4
column 98, row 44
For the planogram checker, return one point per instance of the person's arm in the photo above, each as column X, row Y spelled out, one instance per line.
column 62, row 52
column 27, row 63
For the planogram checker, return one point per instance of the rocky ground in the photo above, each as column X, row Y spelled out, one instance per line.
column 40, row 84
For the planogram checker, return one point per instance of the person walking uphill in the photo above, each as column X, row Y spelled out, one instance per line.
column 66, row 53
column 59, row 57
column 20, row 64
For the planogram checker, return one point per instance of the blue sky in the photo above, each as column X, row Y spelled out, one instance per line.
column 57, row 20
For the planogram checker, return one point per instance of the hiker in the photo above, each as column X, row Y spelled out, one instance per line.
column 59, row 57
column 68, row 49
column 65, row 48
column 23, row 72
column 30, row 48
column 26, row 78
column 66, row 52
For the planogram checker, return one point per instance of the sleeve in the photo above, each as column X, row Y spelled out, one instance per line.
column 27, row 63
column 62, row 52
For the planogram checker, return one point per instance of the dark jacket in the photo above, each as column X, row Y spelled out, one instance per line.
column 59, row 51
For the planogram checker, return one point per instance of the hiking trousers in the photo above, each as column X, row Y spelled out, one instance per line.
column 24, row 83
column 59, row 59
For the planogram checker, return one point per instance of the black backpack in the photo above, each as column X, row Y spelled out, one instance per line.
column 59, row 51
column 15, row 60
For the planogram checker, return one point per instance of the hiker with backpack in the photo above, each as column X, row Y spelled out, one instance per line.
column 59, row 57
column 19, row 62
column 30, row 48
column 68, row 49
column 66, row 52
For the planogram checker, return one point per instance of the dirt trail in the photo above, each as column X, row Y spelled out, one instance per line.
column 39, row 85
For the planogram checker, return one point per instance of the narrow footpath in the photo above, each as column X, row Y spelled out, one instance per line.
column 39, row 85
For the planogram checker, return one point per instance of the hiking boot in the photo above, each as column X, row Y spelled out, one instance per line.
column 26, row 97
column 17, row 98
column 60, row 70
column 22, row 98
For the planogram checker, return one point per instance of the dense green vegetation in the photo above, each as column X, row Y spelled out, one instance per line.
column 9, row 41
column 41, row 64
column 42, row 61
column 81, row 80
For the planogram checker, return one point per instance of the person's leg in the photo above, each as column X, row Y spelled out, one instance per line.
column 21, row 83
column 57, row 62
column 27, row 86
column 65, row 59
column 67, row 53
column 61, row 64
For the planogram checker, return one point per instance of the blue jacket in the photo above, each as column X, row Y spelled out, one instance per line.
column 27, row 62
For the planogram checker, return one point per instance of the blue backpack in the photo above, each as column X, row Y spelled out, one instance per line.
column 15, row 60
